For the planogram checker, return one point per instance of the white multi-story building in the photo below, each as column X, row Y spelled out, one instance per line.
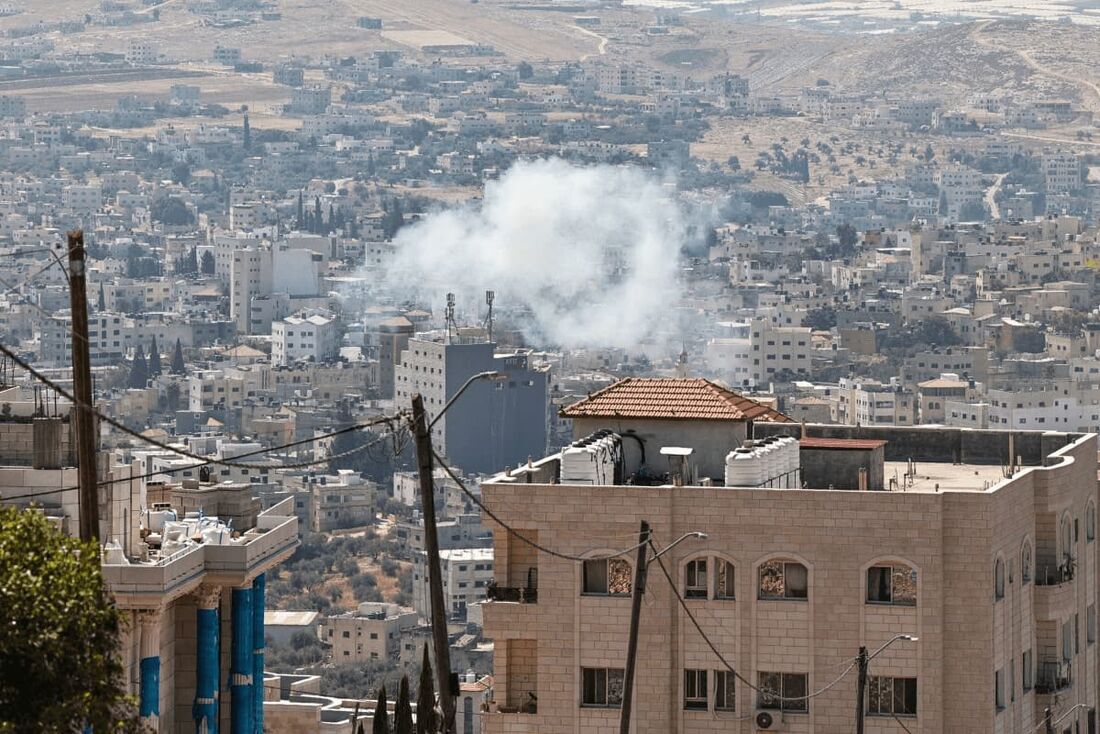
column 778, row 350
column 869, row 403
column 310, row 335
column 1062, row 172
column 82, row 199
column 466, row 573
column 372, row 632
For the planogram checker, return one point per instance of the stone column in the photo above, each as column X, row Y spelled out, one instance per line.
column 258, row 643
column 207, row 658
column 148, row 623
column 240, row 677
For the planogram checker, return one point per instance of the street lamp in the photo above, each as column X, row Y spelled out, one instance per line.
column 644, row 542
column 492, row 375
column 422, row 431
column 1048, row 717
column 863, row 660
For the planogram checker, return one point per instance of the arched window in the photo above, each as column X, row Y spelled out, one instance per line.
column 1025, row 563
column 999, row 579
column 783, row 580
column 723, row 579
column 708, row 577
column 1090, row 523
column 608, row 576
column 696, row 586
column 1067, row 537
column 894, row 584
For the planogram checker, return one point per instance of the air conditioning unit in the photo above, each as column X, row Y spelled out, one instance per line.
column 768, row 720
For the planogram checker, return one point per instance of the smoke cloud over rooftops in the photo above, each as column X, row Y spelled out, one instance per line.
column 592, row 252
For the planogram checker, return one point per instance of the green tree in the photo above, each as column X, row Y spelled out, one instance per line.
column 60, row 637
column 426, row 718
column 208, row 263
column 101, row 302
column 154, row 359
column 172, row 397
column 179, row 367
column 172, row 211
column 381, row 722
column 189, row 263
column 139, row 369
column 402, row 713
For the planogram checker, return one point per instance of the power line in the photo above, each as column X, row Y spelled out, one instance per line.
column 160, row 444
column 518, row 535
column 207, row 462
column 763, row 692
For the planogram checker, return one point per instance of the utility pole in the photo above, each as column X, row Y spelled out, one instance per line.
column 82, row 391
column 861, row 687
column 1048, row 719
column 435, row 579
column 635, row 619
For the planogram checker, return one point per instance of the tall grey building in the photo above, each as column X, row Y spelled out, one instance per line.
column 495, row 423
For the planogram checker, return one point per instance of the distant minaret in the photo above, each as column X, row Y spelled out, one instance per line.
column 682, row 363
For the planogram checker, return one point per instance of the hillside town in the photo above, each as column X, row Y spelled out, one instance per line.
column 842, row 334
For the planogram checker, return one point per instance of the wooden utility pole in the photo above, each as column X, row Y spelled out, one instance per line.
column 862, row 661
column 435, row 578
column 635, row 620
column 82, row 391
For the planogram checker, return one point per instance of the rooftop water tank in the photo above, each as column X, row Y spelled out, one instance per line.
column 743, row 467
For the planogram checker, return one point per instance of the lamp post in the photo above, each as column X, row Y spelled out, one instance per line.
column 644, row 541
column 863, row 660
column 423, row 433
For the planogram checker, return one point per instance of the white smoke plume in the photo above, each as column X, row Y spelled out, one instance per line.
column 591, row 252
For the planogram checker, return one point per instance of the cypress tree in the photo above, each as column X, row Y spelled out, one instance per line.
column 154, row 359
column 402, row 714
column 247, row 135
column 179, row 367
column 425, row 699
column 139, row 370
column 381, row 724
column 301, row 212
column 101, row 304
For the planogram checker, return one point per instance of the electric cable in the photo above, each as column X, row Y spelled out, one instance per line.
column 765, row 693
column 207, row 462
column 518, row 535
column 160, row 444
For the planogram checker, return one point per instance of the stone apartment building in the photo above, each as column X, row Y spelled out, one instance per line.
column 372, row 632
column 993, row 575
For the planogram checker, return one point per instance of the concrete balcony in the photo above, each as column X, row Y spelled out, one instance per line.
column 509, row 619
column 1054, row 602
column 270, row 542
column 141, row 584
column 138, row 584
column 510, row 723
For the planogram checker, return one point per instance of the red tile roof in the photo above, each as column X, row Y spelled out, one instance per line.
column 671, row 399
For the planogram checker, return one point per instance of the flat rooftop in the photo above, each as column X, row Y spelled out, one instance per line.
column 932, row 477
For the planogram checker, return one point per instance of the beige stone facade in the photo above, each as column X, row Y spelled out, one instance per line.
column 995, row 603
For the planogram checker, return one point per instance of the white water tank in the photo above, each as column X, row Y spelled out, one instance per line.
column 770, row 453
column 743, row 468
column 788, row 451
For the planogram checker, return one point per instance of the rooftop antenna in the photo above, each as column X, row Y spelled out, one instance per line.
column 489, row 297
column 449, row 314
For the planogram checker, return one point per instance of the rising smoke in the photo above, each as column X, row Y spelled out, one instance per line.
column 591, row 252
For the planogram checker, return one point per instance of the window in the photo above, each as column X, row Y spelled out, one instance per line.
column 999, row 689
column 892, row 585
column 999, row 579
column 607, row 576
column 783, row 691
column 1067, row 641
column 1027, row 671
column 602, row 687
column 347, row 634
column 696, row 587
column 725, row 691
column 783, row 580
column 1090, row 523
column 374, row 635
column 891, row 696
column 695, row 689
column 723, row 579
column 1090, row 624
column 1025, row 563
